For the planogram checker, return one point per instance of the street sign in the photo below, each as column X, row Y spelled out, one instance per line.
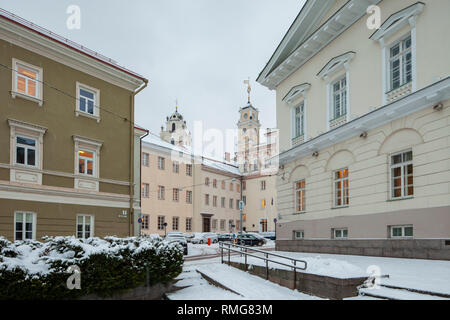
column 140, row 220
column 275, row 220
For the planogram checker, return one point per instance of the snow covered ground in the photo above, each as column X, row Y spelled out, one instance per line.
column 204, row 249
column 426, row 275
column 247, row 286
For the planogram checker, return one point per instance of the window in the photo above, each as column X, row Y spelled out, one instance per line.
column 237, row 204
column 238, row 188
column 341, row 197
column 189, row 170
column 161, row 192
column 161, row 163
column 214, row 224
column 85, row 226
column 145, row 190
column 175, row 221
column 161, row 221
column 188, row 196
column 340, row 233
column 176, row 167
column 238, row 225
column 299, row 120
column 230, row 225
column 145, row 159
column 207, row 182
column 339, row 95
column 222, row 224
column 207, row 199
column 244, row 198
column 188, row 224
column 244, row 185
column 26, row 151
column 86, row 160
column 300, row 204
column 244, row 217
column 215, row 183
column 87, row 101
column 223, row 185
column 299, row 235
column 263, row 185
column 145, row 221
column 176, row 194
column 24, row 226
column 214, row 201
column 400, row 63
column 231, row 187
column 401, row 231
column 231, row 203
column 223, row 202
column 263, row 204
column 402, row 179
column 27, row 81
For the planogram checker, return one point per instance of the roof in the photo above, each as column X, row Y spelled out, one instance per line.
column 152, row 141
column 66, row 42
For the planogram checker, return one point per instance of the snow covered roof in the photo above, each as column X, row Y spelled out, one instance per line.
column 222, row 166
column 66, row 42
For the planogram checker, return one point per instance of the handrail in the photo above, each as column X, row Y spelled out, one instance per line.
column 265, row 258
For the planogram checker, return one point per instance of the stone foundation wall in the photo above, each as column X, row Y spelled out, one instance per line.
column 413, row 249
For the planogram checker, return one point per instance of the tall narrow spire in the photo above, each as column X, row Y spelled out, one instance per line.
column 176, row 105
column 249, row 88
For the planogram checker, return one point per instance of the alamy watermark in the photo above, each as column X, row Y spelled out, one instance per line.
column 74, row 280
column 73, row 22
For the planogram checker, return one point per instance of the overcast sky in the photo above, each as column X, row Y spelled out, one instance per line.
column 196, row 51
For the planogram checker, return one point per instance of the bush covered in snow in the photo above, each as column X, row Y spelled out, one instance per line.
column 39, row 270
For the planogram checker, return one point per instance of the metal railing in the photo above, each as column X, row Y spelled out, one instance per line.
column 243, row 250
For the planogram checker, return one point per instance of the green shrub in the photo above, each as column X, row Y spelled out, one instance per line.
column 35, row 270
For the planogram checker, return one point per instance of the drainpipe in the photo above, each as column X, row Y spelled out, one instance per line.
column 132, row 184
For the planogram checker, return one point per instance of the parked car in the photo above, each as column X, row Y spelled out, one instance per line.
column 188, row 236
column 202, row 238
column 175, row 237
column 259, row 236
column 227, row 237
column 248, row 239
column 269, row 235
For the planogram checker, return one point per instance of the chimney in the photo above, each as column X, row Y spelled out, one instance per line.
column 227, row 157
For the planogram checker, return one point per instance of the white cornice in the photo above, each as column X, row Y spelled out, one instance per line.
column 98, row 144
column 345, row 17
column 414, row 102
column 335, row 64
column 46, row 47
column 296, row 92
column 27, row 126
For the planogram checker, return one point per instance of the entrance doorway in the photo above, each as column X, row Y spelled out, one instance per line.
column 206, row 224
column 263, row 225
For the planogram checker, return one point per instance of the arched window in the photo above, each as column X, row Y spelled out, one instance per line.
column 173, row 127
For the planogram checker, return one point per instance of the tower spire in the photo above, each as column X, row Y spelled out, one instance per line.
column 249, row 88
column 176, row 104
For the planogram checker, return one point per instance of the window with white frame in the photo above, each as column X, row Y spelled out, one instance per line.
column 176, row 194
column 175, row 223
column 400, row 63
column 161, row 192
column 222, row 224
column 299, row 120
column 340, row 233
column 300, row 234
column 86, row 162
column 402, row 231
column 263, row 185
column 161, row 221
column 341, row 188
column 339, row 98
column 188, row 196
column 215, row 183
column 26, row 151
column 161, row 163
column 27, row 80
column 24, row 226
column 85, row 226
column 189, row 170
column 188, row 224
column 237, row 204
column 222, row 202
column 263, row 204
column 145, row 159
column 176, row 167
column 145, row 190
column 87, row 100
column 231, row 203
column 300, row 200
column 214, row 224
column 402, row 179
column 207, row 199
column 214, row 201
column 145, row 221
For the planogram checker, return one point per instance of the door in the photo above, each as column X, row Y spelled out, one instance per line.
column 206, row 224
column 263, row 225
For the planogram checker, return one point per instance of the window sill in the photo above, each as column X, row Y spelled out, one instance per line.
column 399, row 199
column 299, row 213
column 87, row 115
column 340, row 207
column 14, row 95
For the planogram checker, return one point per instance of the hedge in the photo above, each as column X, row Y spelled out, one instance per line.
column 38, row 270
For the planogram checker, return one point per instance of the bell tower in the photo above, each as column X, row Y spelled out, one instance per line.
column 248, row 135
column 176, row 131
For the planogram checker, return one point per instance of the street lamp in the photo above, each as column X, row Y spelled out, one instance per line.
column 165, row 229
